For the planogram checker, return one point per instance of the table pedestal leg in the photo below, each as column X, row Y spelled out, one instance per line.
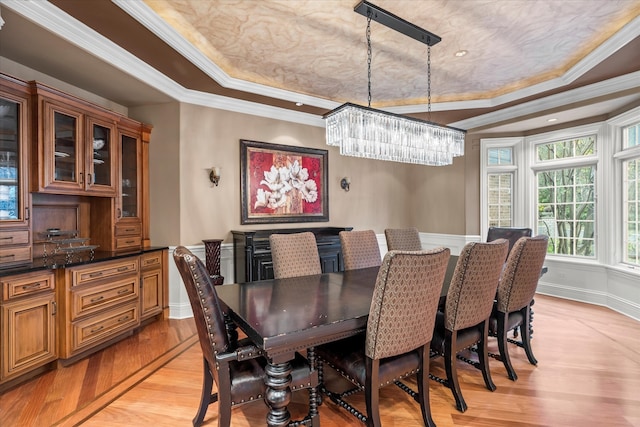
column 278, row 394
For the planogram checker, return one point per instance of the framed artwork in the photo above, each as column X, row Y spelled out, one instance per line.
column 281, row 183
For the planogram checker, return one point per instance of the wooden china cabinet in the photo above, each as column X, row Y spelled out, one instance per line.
column 73, row 185
column 75, row 149
column 15, row 224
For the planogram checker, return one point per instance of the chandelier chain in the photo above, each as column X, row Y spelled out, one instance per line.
column 369, row 59
column 429, row 83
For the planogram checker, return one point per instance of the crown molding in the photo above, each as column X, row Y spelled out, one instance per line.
column 585, row 93
column 146, row 16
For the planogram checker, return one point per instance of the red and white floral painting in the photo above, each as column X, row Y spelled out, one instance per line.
column 282, row 183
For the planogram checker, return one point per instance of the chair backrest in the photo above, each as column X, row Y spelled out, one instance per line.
column 512, row 234
column 294, row 255
column 360, row 249
column 405, row 299
column 403, row 239
column 204, row 304
column 521, row 273
column 474, row 283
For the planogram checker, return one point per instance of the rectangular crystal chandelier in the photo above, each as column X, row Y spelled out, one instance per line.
column 375, row 134
column 380, row 135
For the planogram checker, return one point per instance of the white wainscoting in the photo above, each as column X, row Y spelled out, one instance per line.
column 615, row 287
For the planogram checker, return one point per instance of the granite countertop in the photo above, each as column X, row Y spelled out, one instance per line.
column 80, row 258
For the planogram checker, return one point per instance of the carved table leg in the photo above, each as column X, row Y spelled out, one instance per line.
column 278, row 393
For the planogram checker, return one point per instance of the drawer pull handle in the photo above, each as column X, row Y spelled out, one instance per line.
column 8, row 256
column 129, row 229
column 123, row 319
column 123, row 291
column 31, row 286
column 94, row 330
column 96, row 274
column 120, row 269
column 130, row 241
column 6, row 238
column 96, row 299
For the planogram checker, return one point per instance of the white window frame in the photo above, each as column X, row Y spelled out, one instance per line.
column 619, row 155
column 517, row 209
column 525, row 166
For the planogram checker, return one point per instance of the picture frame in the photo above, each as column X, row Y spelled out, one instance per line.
column 283, row 184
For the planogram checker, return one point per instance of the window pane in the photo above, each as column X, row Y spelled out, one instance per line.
column 500, row 199
column 566, row 209
column 631, row 135
column 567, row 149
column 500, row 156
column 631, row 208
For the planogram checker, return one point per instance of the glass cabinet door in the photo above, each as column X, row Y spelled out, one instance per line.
column 11, row 199
column 101, row 157
column 65, row 147
column 129, row 159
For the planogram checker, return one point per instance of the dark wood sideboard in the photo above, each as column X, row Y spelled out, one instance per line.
column 252, row 251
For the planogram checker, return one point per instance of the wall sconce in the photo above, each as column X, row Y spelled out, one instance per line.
column 214, row 175
column 345, row 183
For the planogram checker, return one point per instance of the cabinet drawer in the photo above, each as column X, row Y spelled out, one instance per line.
column 151, row 260
column 15, row 255
column 128, row 229
column 101, row 327
column 26, row 284
column 128, row 242
column 96, row 272
column 12, row 237
column 92, row 298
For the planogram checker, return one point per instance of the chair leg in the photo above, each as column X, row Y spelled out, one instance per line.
column 502, row 346
column 451, row 369
column 206, row 398
column 423, row 387
column 526, row 335
column 483, row 357
column 372, row 392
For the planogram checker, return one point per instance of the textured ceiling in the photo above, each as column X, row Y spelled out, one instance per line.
column 318, row 48
column 527, row 61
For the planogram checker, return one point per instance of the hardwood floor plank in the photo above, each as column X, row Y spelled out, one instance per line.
column 588, row 375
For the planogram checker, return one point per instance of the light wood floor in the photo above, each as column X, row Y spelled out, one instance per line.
column 588, row 375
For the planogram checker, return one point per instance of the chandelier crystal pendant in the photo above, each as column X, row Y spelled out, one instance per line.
column 375, row 134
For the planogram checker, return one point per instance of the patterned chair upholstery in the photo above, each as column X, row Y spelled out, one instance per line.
column 399, row 329
column 294, row 255
column 403, row 239
column 515, row 292
column 236, row 367
column 360, row 249
column 512, row 234
column 465, row 321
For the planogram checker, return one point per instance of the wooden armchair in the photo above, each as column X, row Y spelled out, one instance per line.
column 399, row 329
column 465, row 321
column 237, row 367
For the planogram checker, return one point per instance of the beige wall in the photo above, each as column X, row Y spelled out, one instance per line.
column 187, row 140
column 383, row 194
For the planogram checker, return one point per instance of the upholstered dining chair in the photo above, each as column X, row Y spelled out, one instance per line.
column 294, row 255
column 512, row 234
column 515, row 292
column 360, row 249
column 403, row 239
column 399, row 329
column 236, row 366
column 465, row 320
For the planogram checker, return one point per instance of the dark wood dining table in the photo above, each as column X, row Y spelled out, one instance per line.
column 283, row 316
